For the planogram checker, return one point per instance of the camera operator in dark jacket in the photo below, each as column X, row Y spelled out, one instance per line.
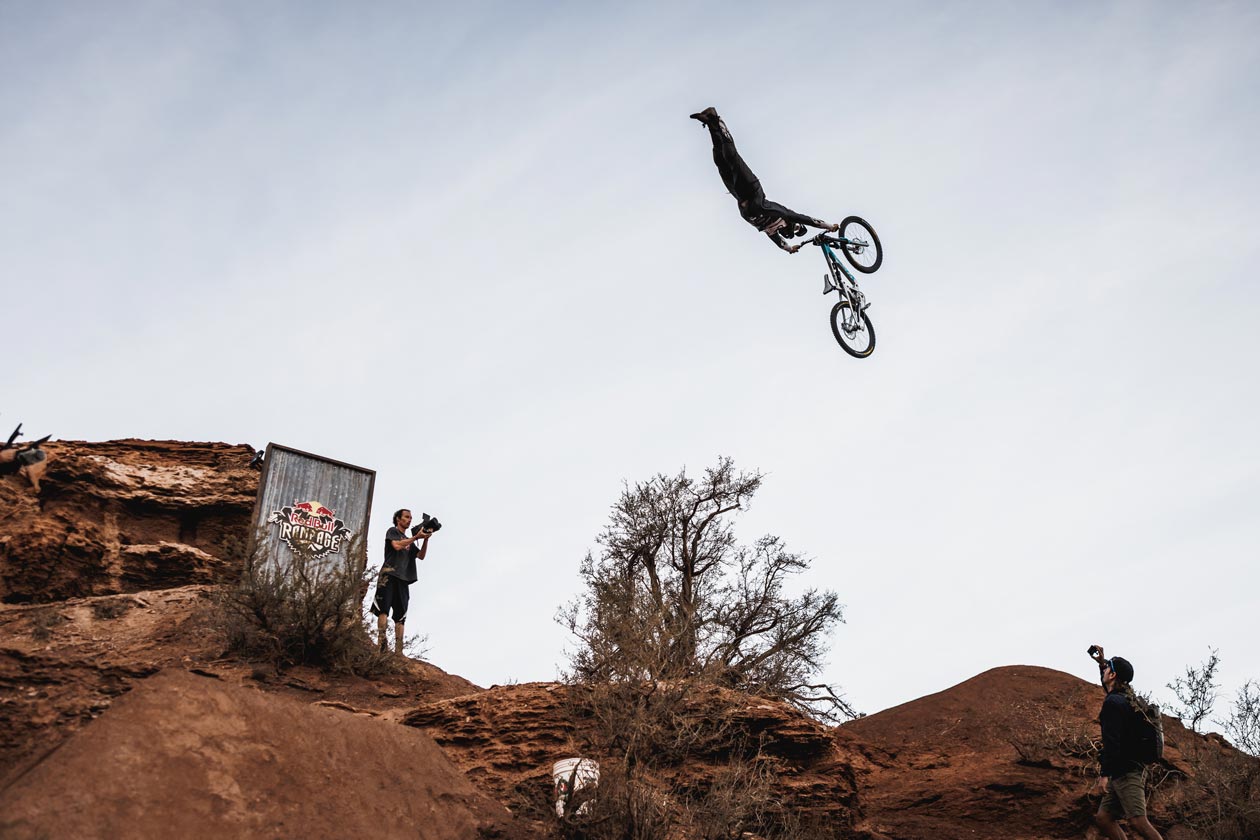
column 398, row 572
column 1122, row 773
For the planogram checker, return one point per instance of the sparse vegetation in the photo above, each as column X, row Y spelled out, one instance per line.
column 672, row 596
column 111, row 608
column 674, row 612
column 1196, row 692
column 307, row 610
column 1055, row 736
column 43, row 621
column 1223, row 796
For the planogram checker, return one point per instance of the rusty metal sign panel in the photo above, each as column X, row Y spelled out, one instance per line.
column 310, row 503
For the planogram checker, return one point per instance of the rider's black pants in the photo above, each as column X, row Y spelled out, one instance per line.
column 744, row 185
column 739, row 179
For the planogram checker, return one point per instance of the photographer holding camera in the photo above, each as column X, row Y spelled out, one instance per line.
column 1122, row 767
column 398, row 572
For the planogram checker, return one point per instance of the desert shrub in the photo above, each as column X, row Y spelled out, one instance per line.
column 626, row 807
column 658, row 743
column 304, row 611
column 42, row 622
column 111, row 608
column 1196, row 691
column 674, row 610
column 672, row 595
column 1056, row 737
column 1221, row 798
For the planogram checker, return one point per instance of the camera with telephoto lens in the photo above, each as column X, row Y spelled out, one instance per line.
column 427, row 523
column 1093, row 650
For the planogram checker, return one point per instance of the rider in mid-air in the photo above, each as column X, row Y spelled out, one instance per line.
column 771, row 218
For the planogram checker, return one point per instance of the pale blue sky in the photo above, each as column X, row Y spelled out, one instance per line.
column 497, row 234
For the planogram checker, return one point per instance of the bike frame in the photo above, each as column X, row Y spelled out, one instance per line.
column 845, row 282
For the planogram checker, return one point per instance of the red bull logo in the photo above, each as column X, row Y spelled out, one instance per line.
column 310, row 526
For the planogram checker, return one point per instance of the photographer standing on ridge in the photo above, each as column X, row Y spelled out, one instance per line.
column 1122, row 769
column 398, row 572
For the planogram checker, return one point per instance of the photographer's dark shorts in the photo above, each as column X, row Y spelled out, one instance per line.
column 392, row 595
column 1126, row 795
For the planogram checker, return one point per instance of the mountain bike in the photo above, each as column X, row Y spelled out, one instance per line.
column 860, row 246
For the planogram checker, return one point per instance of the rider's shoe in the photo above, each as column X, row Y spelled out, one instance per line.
column 706, row 116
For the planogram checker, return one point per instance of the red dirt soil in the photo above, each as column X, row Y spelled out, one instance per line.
column 985, row 760
column 109, row 576
column 193, row 757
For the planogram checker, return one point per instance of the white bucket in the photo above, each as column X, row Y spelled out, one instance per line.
column 572, row 775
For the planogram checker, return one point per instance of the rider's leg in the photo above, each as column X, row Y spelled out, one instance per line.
column 736, row 175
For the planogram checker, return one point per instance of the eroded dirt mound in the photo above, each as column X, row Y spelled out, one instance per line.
column 62, row 665
column 507, row 738
column 188, row 756
column 1010, row 753
column 125, row 516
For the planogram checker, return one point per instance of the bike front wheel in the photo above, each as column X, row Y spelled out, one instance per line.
column 853, row 330
column 863, row 250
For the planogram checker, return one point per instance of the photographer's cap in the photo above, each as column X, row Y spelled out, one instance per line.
column 1122, row 667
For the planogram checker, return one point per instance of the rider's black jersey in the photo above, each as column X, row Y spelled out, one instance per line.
column 771, row 218
column 767, row 216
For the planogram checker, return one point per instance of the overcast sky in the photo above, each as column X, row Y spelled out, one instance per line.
column 480, row 248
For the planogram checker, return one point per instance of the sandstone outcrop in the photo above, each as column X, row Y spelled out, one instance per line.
column 125, row 516
column 507, row 738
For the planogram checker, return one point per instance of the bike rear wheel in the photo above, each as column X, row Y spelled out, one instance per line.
column 865, row 258
column 853, row 331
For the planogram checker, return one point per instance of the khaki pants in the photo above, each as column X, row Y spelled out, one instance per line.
column 1126, row 795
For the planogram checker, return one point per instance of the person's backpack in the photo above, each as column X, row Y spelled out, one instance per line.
column 1148, row 731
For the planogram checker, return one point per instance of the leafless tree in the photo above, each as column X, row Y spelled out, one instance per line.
column 672, row 595
column 1196, row 691
column 1243, row 724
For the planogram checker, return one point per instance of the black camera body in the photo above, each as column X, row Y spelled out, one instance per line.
column 1093, row 650
column 427, row 523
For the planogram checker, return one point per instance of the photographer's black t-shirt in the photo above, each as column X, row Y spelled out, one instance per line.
column 399, row 563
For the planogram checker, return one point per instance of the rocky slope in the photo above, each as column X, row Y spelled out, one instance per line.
column 507, row 738
column 1010, row 753
column 62, row 665
column 115, row 691
column 124, row 516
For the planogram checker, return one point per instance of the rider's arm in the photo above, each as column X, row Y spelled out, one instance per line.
column 812, row 222
column 778, row 240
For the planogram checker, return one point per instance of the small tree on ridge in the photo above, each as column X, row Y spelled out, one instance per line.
column 673, row 596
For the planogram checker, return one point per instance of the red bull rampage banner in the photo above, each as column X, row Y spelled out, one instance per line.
column 310, row 507
column 310, row 526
